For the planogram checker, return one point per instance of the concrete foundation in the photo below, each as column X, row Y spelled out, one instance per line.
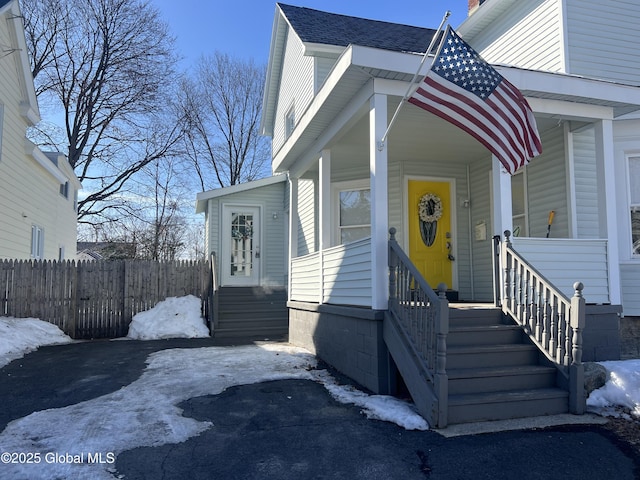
column 601, row 336
column 347, row 338
column 629, row 338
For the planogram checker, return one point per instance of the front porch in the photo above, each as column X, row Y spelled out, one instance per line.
column 460, row 362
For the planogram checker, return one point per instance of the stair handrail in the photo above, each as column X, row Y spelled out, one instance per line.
column 552, row 321
column 423, row 315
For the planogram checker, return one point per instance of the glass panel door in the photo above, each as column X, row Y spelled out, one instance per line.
column 240, row 260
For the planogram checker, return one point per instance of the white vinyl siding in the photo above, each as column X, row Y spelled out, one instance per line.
column 539, row 22
column 305, row 278
column 1, row 130
column 479, row 181
column 566, row 261
column 585, row 184
column 345, row 278
column 603, row 40
column 273, row 248
column 297, row 86
column 324, row 65
column 307, row 207
column 29, row 195
column 547, row 187
column 347, row 274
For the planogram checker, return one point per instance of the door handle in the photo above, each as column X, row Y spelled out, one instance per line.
column 257, row 252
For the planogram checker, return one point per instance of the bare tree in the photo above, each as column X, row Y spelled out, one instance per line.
column 221, row 106
column 107, row 65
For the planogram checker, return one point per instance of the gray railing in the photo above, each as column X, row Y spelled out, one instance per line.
column 553, row 322
column 424, row 317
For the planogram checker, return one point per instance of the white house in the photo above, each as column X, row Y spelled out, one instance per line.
column 333, row 84
column 38, row 191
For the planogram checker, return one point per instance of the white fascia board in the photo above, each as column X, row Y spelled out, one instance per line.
column 44, row 161
column 274, row 66
column 322, row 49
column 29, row 106
column 202, row 197
column 569, row 110
column 353, row 56
column 571, row 86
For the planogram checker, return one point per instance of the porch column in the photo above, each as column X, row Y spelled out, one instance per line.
column 379, row 203
column 502, row 213
column 324, row 207
column 607, row 215
column 294, row 221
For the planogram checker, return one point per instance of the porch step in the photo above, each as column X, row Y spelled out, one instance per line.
column 484, row 335
column 483, row 356
column 252, row 312
column 480, row 407
column 495, row 373
column 497, row 379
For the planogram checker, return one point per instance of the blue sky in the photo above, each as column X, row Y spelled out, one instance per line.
column 243, row 28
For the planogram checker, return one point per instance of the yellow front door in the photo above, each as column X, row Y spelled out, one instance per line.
column 430, row 238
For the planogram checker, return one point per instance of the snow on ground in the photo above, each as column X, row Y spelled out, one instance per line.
column 19, row 336
column 621, row 390
column 145, row 413
column 175, row 317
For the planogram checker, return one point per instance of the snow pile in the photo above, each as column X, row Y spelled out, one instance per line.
column 22, row 335
column 622, row 389
column 175, row 317
column 375, row 407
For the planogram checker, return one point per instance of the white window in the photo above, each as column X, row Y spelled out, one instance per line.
column 64, row 189
column 634, row 197
column 37, row 242
column 519, row 204
column 289, row 122
column 353, row 211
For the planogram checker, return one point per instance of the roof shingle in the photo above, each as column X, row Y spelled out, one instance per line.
column 315, row 26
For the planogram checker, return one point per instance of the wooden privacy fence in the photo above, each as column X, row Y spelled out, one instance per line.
column 95, row 299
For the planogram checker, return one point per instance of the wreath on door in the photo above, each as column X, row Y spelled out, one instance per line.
column 429, row 212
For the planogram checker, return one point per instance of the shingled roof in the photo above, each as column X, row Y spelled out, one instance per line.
column 3, row 3
column 314, row 26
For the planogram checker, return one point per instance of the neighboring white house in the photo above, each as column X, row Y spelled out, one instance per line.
column 38, row 191
column 333, row 83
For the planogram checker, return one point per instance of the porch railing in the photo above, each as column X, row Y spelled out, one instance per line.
column 553, row 321
column 423, row 316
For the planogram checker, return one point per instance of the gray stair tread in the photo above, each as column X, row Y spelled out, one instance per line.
column 458, row 373
column 483, row 328
column 490, row 348
column 507, row 396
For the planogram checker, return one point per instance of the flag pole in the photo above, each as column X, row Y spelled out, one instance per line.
column 413, row 80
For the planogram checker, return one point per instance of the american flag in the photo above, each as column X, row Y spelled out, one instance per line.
column 468, row 92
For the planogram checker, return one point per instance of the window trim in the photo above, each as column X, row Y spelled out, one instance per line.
column 336, row 189
column 525, row 215
column 289, row 121
column 631, row 206
column 37, row 242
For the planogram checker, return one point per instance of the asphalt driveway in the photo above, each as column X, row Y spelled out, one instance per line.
column 293, row 429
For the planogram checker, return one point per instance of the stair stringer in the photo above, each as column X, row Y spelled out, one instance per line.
column 415, row 373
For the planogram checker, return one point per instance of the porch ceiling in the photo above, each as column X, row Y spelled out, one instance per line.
column 416, row 136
